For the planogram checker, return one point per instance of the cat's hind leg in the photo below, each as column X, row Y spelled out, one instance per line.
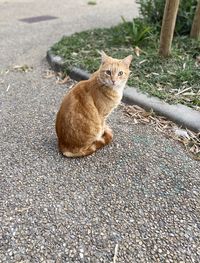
column 99, row 142
column 96, row 145
column 84, row 151
column 105, row 139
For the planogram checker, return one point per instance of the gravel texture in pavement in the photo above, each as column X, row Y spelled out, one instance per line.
column 140, row 193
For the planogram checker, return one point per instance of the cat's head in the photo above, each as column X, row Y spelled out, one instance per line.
column 114, row 72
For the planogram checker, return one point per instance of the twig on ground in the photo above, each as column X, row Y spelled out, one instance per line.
column 8, row 88
column 115, row 254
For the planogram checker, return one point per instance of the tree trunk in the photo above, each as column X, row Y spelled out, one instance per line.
column 168, row 25
column 195, row 31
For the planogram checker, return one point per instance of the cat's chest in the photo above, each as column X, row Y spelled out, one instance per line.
column 109, row 104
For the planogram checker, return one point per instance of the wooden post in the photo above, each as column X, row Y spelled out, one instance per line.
column 195, row 31
column 168, row 25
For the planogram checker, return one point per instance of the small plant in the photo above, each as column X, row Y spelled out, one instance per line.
column 152, row 11
column 137, row 31
column 92, row 2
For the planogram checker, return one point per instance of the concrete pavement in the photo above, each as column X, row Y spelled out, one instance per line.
column 22, row 42
column 140, row 195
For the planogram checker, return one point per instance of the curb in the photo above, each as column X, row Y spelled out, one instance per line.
column 181, row 114
column 58, row 64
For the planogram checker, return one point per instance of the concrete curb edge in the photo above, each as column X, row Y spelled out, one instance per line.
column 182, row 115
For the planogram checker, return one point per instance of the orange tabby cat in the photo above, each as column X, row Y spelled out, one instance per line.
column 81, row 121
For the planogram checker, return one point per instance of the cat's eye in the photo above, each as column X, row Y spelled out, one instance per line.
column 120, row 73
column 108, row 72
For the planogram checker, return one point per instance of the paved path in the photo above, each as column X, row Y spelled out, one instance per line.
column 21, row 42
column 139, row 195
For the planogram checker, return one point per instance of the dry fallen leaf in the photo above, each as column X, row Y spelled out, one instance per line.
column 63, row 81
column 49, row 74
column 138, row 51
column 143, row 61
column 194, row 149
column 22, row 68
column 183, row 90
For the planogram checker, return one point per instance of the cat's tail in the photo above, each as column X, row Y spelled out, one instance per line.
column 84, row 151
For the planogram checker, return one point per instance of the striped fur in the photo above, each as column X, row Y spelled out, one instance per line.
column 81, row 121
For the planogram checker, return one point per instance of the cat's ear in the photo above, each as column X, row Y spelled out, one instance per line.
column 127, row 60
column 104, row 57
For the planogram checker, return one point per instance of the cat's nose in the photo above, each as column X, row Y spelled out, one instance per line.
column 113, row 81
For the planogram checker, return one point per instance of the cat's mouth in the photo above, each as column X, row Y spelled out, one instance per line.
column 110, row 84
column 116, row 85
column 113, row 84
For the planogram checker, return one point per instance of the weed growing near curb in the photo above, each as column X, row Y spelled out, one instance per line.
column 92, row 3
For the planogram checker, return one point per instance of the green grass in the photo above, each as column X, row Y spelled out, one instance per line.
column 92, row 3
column 175, row 79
